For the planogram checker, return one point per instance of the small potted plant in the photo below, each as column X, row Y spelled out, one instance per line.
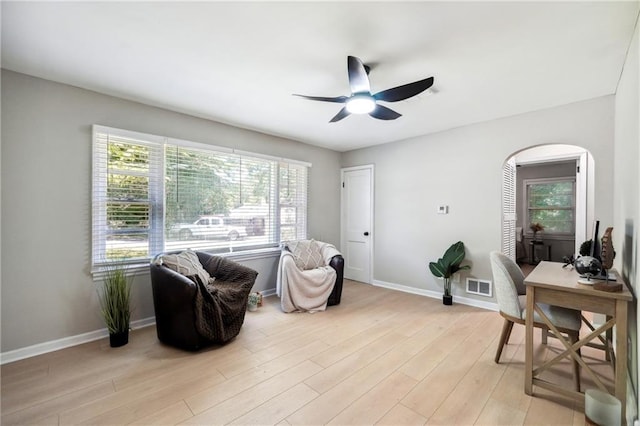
column 447, row 266
column 535, row 228
column 115, row 304
column 254, row 300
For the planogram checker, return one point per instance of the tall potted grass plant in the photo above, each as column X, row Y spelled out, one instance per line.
column 115, row 304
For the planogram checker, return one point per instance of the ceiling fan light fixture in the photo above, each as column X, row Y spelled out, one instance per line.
column 362, row 101
column 361, row 104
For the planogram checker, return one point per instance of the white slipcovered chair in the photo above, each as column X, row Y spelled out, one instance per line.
column 511, row 294
column 310, row 275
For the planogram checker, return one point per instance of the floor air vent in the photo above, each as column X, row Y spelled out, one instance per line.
column 481, row 287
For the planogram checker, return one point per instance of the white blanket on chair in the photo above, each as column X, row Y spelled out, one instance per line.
column 306, row 291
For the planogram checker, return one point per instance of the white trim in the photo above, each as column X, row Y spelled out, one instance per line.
column 584, row 209
column 437, row 295
column 269, row 292
column 65, row 342
column 582, row 184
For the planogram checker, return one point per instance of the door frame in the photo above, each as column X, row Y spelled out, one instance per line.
column 372, row 233
column 584, row 184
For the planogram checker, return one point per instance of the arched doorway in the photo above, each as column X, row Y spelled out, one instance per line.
column 577, row 166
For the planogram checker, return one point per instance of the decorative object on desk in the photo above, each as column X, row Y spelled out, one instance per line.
column 535, row 228
column 592, row 247
column 588, row 267
column 608, row 285
column 568, row 261
column 607, row 255
column 252, row 302
column 115, row 304
column 601, row 408
column 447, row 266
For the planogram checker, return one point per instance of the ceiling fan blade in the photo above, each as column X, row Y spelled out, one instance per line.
column 340, row 115
column 337, row 99
column 358, row 79
column 383, row 113
column 404, row 92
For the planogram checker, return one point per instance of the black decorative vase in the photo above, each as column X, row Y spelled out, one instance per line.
column 119, row 339
column 447, row 299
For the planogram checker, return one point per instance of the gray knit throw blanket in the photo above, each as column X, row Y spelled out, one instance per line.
column 220, row 304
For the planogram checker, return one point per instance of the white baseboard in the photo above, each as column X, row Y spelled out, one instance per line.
column 268, row 292
column 54, row 345
column 437, row 295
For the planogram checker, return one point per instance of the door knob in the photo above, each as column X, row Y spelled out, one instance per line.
column 366, row 234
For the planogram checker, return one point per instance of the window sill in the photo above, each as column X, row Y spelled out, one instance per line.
column 142, row 268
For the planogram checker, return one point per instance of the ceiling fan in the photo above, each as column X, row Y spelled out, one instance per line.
column 362, row 101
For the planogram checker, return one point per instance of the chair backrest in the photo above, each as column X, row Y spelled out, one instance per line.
column 509, row 283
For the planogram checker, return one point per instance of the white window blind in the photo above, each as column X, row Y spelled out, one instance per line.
column 154, row 194
column 125, row 196
column 293, row 201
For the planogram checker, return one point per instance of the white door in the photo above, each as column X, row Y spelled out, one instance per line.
column 357, row 222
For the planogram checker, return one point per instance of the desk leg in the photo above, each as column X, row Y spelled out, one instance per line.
column 528, row 364
column 621, row 355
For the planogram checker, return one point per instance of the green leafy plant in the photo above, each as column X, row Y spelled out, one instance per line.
column 449, row 264
column 115, row 299
column 585, row 248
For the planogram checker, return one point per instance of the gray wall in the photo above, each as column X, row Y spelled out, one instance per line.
column 560, row 246
column 462, row 168
column 626, row 190
column 47, row 291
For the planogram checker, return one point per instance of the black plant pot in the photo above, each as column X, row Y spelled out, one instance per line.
column 119, row 339
column 447, row 299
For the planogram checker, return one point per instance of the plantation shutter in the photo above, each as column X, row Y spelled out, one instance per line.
column 509, row 209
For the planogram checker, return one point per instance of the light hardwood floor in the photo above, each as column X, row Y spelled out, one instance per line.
column 380, row 357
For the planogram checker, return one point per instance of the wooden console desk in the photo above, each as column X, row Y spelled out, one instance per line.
column 550, row 283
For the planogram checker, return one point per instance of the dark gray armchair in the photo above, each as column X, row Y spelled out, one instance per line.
column 191, row 314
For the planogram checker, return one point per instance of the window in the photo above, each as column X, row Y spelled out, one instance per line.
column 153, row 194
column 551, row 202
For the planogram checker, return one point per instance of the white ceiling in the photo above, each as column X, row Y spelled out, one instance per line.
column 239, row 63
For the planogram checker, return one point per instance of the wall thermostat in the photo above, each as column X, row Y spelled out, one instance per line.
column 443, row 209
